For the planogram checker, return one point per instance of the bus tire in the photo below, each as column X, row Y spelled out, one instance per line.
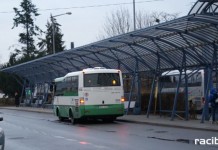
column 109, row 120
column 71, row 117
column 59, row 117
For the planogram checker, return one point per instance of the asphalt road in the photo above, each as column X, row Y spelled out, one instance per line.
column 41, row 131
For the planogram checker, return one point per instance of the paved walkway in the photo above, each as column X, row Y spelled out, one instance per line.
column 142, row 119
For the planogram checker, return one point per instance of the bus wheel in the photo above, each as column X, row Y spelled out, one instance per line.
column 109, row 120
column 59, row 117
column 72, row 119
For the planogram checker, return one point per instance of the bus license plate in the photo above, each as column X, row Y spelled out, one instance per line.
column 103, row 106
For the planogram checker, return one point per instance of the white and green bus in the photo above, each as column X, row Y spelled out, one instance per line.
column 90, row 93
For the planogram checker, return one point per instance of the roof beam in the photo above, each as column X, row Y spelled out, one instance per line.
column 82, row 62
column 47, row 66
column 101, row 62
column 143, row 47
column 145, row 63
column 68, row 59
column 44, row 70
column 205, row 19
column 183, row 50
column 193, row 48
column 171, row 44
column 138, row 58
column 184, row 32
column 128, row 54
column 110, row 57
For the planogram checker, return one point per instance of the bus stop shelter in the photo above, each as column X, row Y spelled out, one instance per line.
column 189, row 42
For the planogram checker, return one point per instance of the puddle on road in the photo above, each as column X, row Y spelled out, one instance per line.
column 161, row 131
column 111, row 131
column 187, row 141
column 16, row 138
column 149, row 129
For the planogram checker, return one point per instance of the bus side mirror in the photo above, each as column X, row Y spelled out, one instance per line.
column 51, row 88
column 54, row 88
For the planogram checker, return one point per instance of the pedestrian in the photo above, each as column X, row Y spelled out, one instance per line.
column 17, row 100
column 213, row 100
column 192, row 109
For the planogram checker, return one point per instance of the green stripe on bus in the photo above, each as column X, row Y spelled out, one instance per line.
column 97, row 110
column 90, row 110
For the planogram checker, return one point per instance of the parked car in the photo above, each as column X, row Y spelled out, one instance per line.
column 2, row 137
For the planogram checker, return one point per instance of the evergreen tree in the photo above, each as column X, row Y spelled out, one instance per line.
column 25, row 17
column 12, row 59
column 47, row 43
column 6, row 80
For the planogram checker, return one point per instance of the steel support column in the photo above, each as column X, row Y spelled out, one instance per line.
column 186, row 88
column 159, row 96
column 176, row 96
column 137, row 109
column 130, row 94
column 205, row 113
column 151, row 95
column 208, row 85
column 45, row 93
column 31, row 92
column 23, row 89
column 152, row 87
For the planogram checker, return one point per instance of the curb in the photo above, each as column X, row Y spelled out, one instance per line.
column 28, row 110
column 166, row 125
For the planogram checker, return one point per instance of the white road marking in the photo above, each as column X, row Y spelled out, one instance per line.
column 43, row 133
column 73, row 140
column 100, row 146
column 82, row 142
column 59, row 137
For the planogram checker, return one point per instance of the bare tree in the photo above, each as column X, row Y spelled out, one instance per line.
column 143, row 20
column 120, row 21
column 163, row 16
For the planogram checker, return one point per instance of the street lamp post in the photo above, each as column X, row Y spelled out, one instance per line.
column 53, row 28
column 134, row 22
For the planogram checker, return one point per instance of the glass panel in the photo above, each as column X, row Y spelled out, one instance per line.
column 101, row 79
column 59, row 86
column 202, row 7
column 71, row 86
column 195, row 8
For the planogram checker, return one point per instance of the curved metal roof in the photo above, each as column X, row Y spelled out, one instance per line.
column 205, row 7
column 192, row 39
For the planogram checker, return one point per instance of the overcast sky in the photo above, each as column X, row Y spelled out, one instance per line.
column 84, row 25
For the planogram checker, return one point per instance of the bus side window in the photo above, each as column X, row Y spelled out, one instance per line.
column 68, row 84
column 58, row 88
column 74, row 85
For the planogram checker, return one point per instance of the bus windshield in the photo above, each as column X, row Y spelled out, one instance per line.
column 101, row 79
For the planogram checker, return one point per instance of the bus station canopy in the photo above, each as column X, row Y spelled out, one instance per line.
column 189, row 41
